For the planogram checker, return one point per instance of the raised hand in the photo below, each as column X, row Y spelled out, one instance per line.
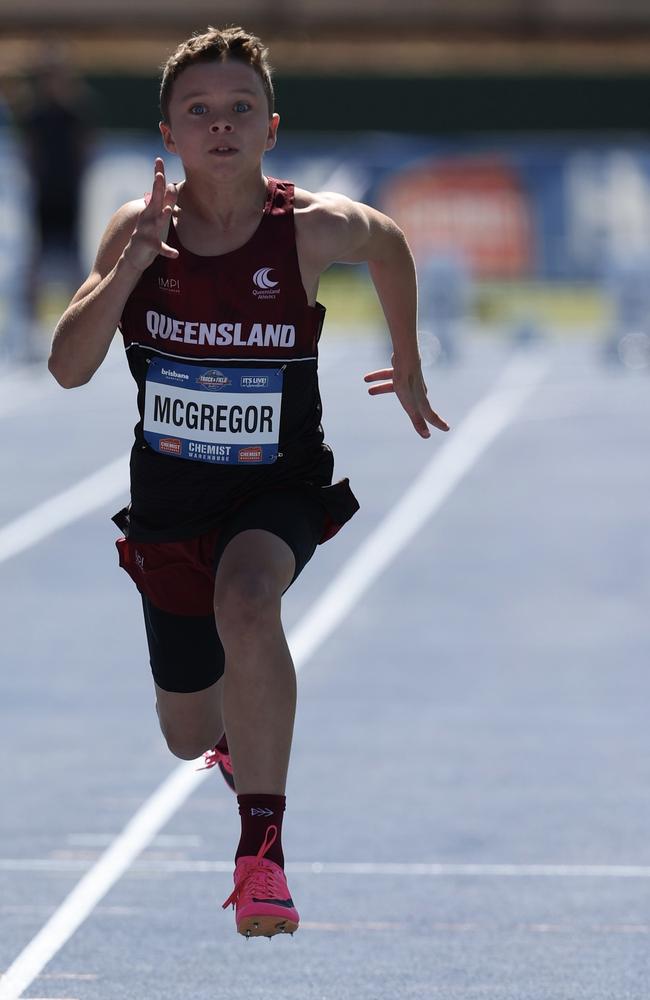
column 409, row 387
column 147, row 240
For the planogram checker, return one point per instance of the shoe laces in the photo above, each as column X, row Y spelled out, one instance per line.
column 260, row 877
column 213, row 757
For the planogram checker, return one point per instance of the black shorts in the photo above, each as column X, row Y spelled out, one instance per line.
column 185, row 651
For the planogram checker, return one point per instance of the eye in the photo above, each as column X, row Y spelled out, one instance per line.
column 242, row 105
column 198, row 109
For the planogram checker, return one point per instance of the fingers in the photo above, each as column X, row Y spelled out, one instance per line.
column 167, row 251
column 424, row 415
column 163, row 228
column 160, row 206
column 159, row 168
column 420, row 426
column 171, row 195
column 431, row 416
column 155, row 202
column 437, row 421
column 377, row 390
column 414, row 401
column 162, row 193
column 152, row 227
column 383, row 373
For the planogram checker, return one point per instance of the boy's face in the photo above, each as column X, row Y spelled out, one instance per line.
column 219, row 118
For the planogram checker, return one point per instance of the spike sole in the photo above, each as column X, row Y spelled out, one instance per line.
column 266, row 926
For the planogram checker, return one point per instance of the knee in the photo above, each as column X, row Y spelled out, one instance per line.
column 245, row 600
column 184, row 742
column 186, row 747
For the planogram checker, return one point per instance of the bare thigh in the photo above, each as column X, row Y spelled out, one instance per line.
column 254, row 571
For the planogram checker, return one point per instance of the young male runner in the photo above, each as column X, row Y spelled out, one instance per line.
column 213, row 285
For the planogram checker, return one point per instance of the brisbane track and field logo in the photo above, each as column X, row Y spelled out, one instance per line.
column 265, row 286
column 212, row 379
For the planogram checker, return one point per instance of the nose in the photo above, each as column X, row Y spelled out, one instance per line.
column 220, row 125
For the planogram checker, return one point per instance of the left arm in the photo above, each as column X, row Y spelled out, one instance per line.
column 351, row 232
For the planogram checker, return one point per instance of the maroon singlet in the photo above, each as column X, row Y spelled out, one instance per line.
column 246, row 309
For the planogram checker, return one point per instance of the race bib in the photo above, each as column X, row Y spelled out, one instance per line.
column 230, row 415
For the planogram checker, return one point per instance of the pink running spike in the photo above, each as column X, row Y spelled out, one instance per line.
column 214, row 757
column 261, row 897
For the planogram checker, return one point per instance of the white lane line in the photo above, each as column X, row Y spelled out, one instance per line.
column 142, row 828
column 162, row 841
column 453, row 458
column 65, row 508
column 362, row 868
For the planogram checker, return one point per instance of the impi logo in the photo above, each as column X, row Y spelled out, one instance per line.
column 169, row 284
column 265, row 287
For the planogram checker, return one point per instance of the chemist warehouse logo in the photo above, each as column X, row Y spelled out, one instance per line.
column 265, row 287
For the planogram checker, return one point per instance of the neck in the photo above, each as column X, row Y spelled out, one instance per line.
column 226, row 202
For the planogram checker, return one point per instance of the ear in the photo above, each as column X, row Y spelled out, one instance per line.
column 271, row 137
column 167, row 137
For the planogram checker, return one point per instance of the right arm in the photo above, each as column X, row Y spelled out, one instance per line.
column 132, row 241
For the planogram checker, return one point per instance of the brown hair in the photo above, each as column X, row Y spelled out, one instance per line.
column 217, row 45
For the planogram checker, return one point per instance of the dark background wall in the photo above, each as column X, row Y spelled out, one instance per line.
column 418, row 66
column 449, row 104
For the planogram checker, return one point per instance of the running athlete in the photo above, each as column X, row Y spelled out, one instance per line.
column 212, row 283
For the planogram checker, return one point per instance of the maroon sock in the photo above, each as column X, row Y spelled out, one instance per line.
column 258, row 813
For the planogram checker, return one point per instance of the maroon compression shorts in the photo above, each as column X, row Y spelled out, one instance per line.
column 176, row 582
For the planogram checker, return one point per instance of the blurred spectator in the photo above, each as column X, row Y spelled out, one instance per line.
column 5, row 116
column 444, row 293
column 626, row 282
column 55, row 126
column 15, row 241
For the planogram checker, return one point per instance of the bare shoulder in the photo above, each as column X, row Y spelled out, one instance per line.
column 321, row 211
column 332, row 227
column 120, row 226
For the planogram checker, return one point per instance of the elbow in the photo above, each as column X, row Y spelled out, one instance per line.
column 66, row 379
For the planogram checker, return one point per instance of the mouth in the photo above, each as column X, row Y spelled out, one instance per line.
column 224, row 150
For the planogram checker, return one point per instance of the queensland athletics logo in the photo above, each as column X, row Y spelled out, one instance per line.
column 213, row 379
column 265, row 287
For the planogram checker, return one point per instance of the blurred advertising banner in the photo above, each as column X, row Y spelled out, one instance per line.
column 541, row 207
column 530, row 208
column 475, row 206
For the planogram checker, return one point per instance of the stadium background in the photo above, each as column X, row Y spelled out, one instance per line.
column 509, row 134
